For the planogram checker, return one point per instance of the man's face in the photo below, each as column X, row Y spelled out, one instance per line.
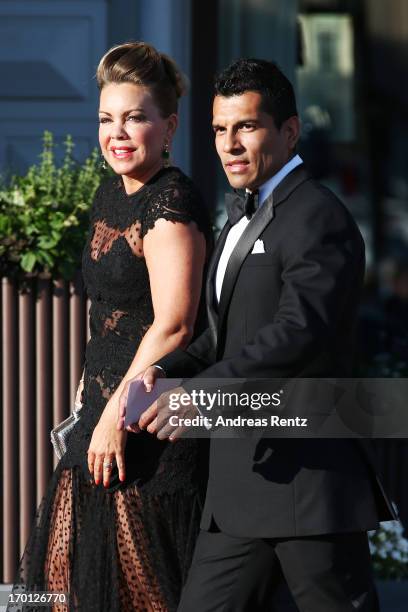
column 250, row 146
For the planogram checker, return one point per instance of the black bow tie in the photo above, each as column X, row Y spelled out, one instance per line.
column 240, row 204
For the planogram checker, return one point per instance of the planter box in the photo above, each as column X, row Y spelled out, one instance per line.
column 393, row 595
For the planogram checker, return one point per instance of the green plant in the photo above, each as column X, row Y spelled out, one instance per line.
column 389, row 551
column 44, row 214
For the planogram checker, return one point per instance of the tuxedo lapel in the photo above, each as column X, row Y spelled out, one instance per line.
column 295, row 178
column 210, row 284
column 252, row 232
column 244, row 245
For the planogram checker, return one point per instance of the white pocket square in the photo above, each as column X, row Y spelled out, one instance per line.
column 258, row 247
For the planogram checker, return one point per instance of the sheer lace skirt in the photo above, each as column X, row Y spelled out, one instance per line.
column 110, row 551
column 123, row 549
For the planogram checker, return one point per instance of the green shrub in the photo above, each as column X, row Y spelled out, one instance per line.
column 44, row 215
column 389, row 551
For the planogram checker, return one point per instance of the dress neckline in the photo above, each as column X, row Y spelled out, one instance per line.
column 153, row 179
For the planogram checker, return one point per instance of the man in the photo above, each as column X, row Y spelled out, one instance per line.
column 282, row 295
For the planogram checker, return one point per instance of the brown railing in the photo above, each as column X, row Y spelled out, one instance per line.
column 43, row 335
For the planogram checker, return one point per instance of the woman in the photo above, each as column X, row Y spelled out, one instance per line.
column 117, row 526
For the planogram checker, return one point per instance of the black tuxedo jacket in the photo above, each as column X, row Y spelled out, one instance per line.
column 290, row 311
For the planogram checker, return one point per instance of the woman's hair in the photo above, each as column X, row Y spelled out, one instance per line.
column 141, row 64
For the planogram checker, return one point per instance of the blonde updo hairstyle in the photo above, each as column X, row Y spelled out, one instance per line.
column 141, row 64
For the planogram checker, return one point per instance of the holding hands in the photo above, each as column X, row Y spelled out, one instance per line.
column 149, row 377
column 110, row 434
column 156, row 418
column 109, row 437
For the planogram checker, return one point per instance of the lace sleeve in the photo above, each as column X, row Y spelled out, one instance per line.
column 176, row 202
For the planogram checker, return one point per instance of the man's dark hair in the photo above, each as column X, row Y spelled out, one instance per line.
column 278, row 97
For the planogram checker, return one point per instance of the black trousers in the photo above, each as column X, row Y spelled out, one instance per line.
column 330, row 573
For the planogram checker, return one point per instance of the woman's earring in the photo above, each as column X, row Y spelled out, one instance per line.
column 104, row 165
column 166, row 155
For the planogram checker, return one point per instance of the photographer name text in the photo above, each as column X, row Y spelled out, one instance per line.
column 272, row 420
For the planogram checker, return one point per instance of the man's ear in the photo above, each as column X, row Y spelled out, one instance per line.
column 292, row 131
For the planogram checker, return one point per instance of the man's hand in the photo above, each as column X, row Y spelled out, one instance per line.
column 156, row 418
column 149, row 377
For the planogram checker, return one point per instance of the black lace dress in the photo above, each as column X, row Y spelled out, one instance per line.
column 129, row 547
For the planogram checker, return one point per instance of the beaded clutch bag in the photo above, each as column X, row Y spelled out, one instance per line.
column 60, row 433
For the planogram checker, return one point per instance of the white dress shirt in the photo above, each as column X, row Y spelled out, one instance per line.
column 237, row 230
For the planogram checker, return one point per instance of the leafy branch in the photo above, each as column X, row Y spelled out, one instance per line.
column 44, row 214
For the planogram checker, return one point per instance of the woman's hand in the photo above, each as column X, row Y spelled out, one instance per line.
column 107, row 445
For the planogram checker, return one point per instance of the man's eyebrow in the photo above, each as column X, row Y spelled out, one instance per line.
column 239, row 122
column 247, row 120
